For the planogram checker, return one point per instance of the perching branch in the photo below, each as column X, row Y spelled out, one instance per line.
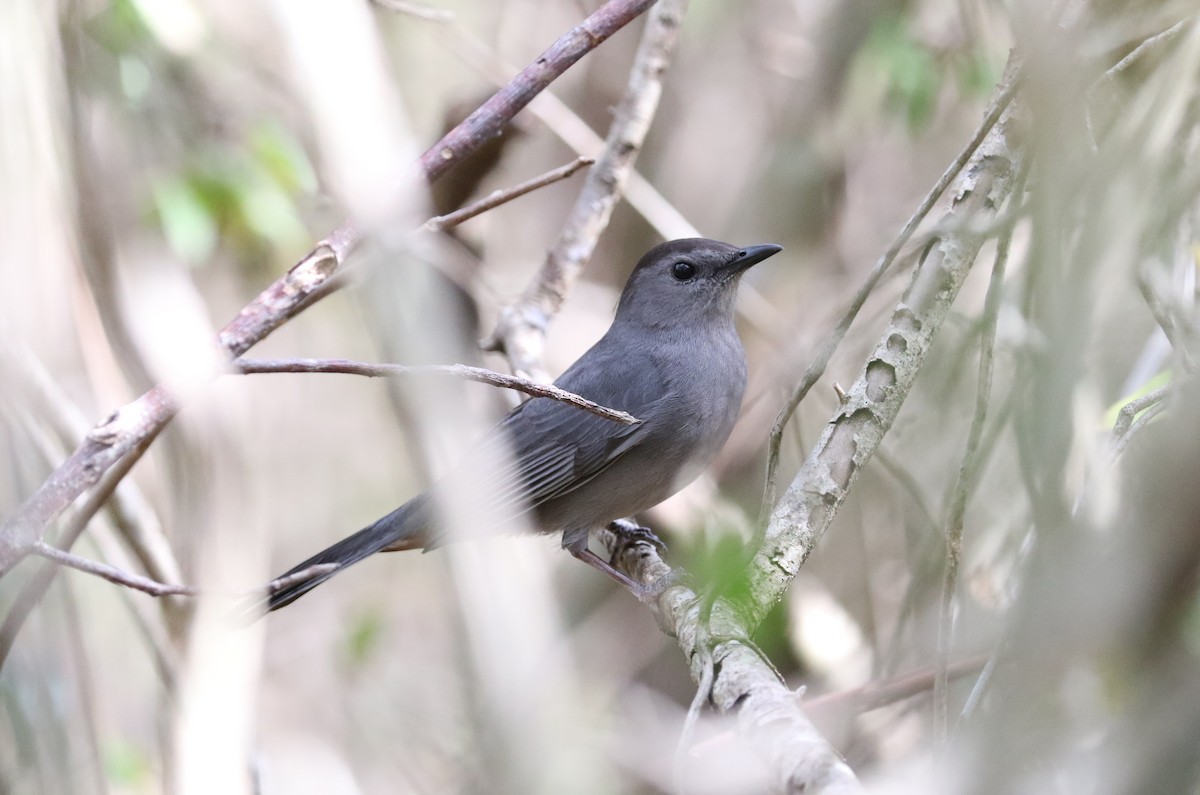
column 117, row 436
column 462, row 371
column 741, row 680
column 520, row 332
column 743, row 683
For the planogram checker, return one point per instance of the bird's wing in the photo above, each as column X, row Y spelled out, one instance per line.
column 555, row 447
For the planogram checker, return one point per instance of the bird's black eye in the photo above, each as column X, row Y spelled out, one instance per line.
column 683, row 271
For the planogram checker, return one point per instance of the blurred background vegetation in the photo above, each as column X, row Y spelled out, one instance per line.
column 163, row 161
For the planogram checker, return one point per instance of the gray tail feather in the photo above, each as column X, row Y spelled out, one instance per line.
column 407, row 521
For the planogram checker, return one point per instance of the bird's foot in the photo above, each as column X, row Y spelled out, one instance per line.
column 629, row 532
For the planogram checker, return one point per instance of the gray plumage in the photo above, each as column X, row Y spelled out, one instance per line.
column 672, row 358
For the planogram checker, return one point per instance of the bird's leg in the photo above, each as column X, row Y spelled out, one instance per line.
column 627, row 533
column 643, row 593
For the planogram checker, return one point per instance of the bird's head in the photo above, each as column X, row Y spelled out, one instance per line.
column 687, row 281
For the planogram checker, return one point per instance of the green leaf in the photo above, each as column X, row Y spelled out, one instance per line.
column 283, row 158
column 186, row 217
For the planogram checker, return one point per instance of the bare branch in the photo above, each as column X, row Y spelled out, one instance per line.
column 849, row 439
column 1147, row 46
column 817, row 367
column 964, row 486
column 110, row 573
column 494, row 114
column 888, row 691
column 127, row 428
column 521, row 329
column 1135, row 407
column 568, row 127
column 1134, row 416
column 769, row 716
column 1165, row 319
column 158, row 589
column 463, row 371
column 496, row 198
column 35, row 587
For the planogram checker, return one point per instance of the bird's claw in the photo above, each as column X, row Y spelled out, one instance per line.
column 629, row 532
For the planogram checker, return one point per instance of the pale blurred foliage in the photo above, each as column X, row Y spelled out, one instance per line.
column 161, row 162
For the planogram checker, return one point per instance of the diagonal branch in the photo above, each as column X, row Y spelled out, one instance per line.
column 817, row 367
column 155, row 588
column 499, row 197
column 110, row 573
column 742, row 681
column 115, row 437
column 521, row 330
column 964, row 486
column 462, row 371
column 872, row 403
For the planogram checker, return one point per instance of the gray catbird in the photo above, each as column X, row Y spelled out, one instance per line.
column 671, row 358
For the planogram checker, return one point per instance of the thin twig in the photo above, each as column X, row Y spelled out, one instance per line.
column 964, row 485
column 1121, row 442
column 416, row 10
column 35, row 587
column 1135, row 407
column 919, row 579
column 463, row 371
column 646, row 200
column 114, row 438
column 1139, row 52
column 566, row 125
column 129, row 509
column 521, row 328
column 496, row 198
column 110, row 573
column 817, row 368
column 155, row 588
column 151, row 625
column 1165, row 320
column 877, row 695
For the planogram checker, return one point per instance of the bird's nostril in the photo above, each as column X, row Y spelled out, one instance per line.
column 742, row 253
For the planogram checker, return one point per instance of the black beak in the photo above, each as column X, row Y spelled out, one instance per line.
column 751, row 255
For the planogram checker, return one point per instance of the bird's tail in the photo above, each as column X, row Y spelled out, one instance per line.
column 407, row 523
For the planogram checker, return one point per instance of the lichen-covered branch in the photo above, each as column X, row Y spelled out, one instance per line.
column 872, row 403
column 798, row 757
